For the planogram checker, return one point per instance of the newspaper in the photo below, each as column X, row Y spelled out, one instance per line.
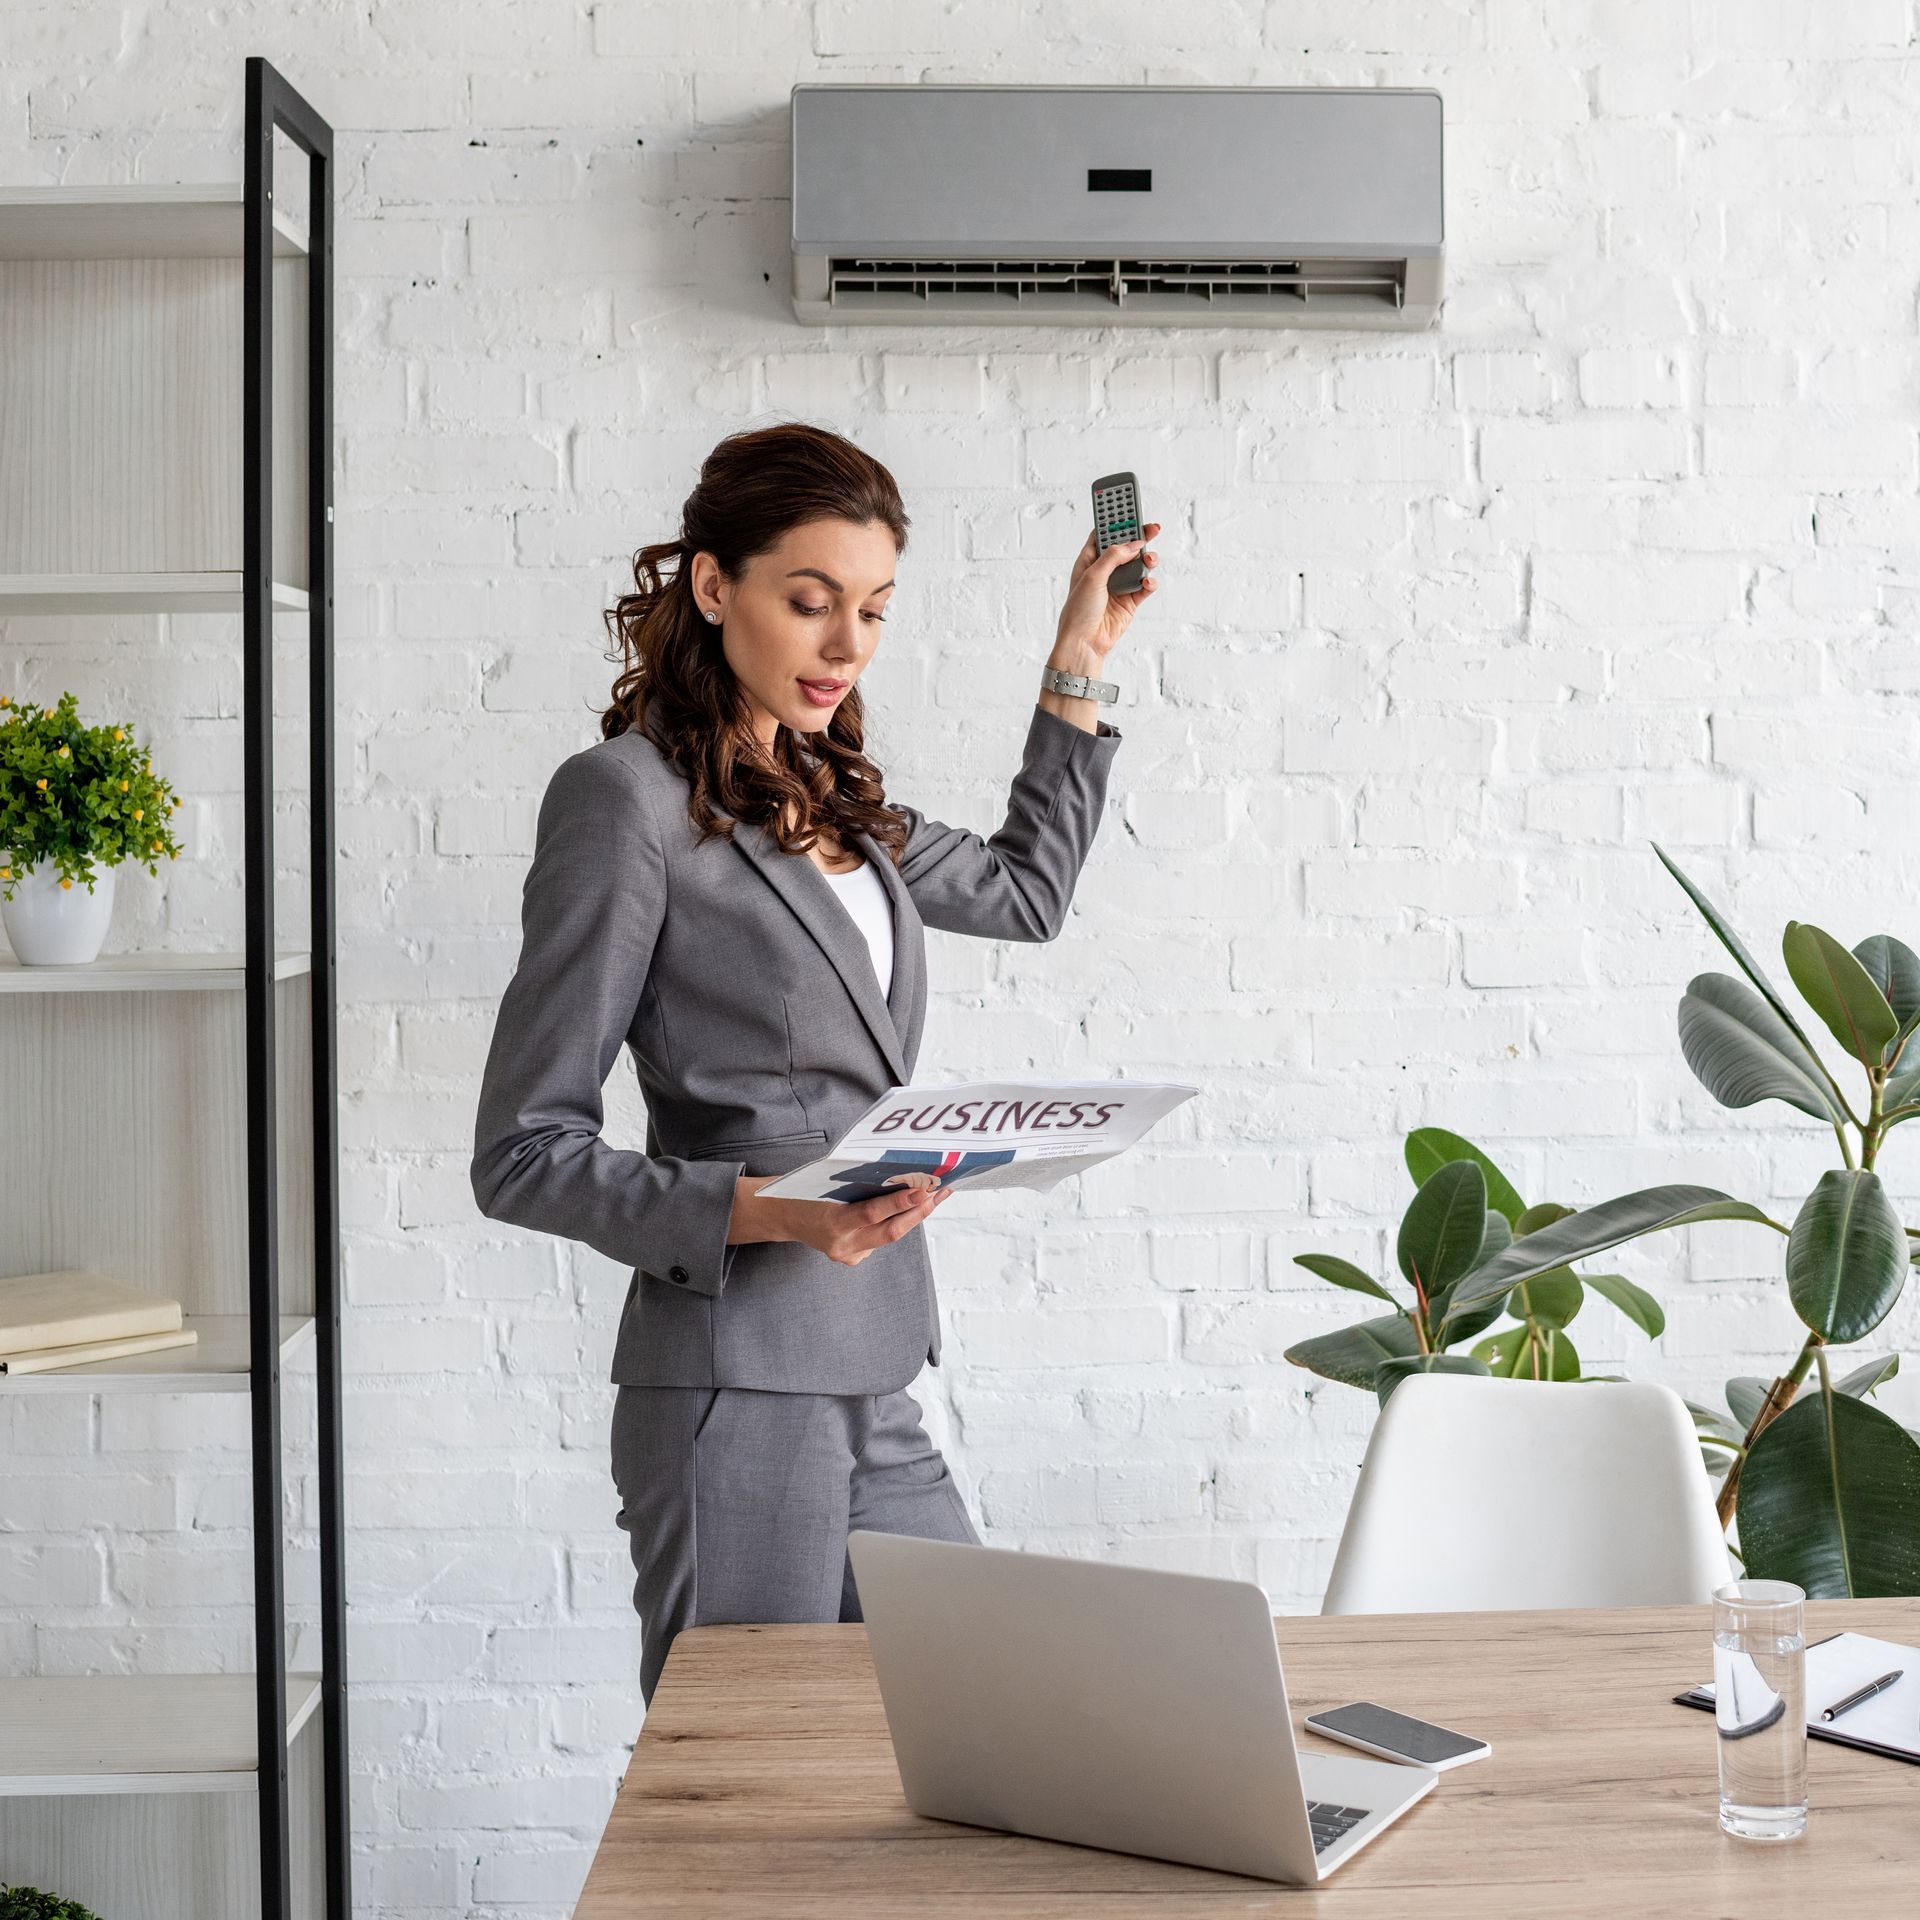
column 1000, row 1133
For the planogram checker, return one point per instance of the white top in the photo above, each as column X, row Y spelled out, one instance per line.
column 864, row 896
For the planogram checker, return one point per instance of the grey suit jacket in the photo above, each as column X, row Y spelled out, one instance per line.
column 758, row 1031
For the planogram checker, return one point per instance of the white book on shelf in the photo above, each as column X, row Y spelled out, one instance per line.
column 76, row 1308
column 44, row 1359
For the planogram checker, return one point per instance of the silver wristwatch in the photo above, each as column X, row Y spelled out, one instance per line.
column 1076, row 686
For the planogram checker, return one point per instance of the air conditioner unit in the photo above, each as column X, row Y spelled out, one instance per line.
column 1103, row 206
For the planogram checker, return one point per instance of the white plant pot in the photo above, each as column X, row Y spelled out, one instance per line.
column 54, row 926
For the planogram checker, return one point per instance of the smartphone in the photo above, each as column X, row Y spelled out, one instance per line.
column 1116, row 520
column 1394, row 1736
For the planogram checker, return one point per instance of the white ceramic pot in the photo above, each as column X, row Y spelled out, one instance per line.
column 54, row 926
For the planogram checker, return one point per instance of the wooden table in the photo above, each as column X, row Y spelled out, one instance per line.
column 763, row 1783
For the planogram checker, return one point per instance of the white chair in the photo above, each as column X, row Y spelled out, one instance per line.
column 1494, row 1494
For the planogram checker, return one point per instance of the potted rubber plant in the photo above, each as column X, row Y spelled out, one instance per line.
column 1463, row 1214
column 75, row 802
column 1823, row 1487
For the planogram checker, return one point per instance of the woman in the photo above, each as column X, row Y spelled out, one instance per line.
column 721, row 883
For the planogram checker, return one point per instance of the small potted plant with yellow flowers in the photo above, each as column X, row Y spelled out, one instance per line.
column 75, row 801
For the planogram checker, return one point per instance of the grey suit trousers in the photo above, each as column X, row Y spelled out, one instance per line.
column 737, row 1503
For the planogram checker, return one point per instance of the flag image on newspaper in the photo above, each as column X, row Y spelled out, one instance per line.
column 1002, row 1133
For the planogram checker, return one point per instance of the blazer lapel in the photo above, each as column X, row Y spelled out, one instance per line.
column 804, row 888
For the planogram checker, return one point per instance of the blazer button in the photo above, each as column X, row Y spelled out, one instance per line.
column 678, row 1275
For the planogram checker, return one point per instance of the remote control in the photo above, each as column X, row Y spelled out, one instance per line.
column 1116, row 519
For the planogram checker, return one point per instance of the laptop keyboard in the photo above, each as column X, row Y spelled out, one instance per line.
column 1330, row 1822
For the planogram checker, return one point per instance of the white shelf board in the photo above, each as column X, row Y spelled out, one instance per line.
column 215, row 1363
column 132, row 223
column 135, row 593
column 146, row 973
column 138, row 1733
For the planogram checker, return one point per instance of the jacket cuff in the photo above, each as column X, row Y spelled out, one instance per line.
column 689, row 1231
column 1052, row 740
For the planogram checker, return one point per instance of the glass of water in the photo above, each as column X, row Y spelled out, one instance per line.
column 1760, row 1708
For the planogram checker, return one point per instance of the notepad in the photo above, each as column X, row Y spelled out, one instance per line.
column 1889, row 1723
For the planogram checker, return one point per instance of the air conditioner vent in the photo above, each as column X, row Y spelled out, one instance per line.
column 962, row 286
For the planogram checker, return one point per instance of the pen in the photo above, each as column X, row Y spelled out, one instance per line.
column 1865, row 1693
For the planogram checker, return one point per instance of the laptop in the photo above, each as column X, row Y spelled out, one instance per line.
column 1116, row 1707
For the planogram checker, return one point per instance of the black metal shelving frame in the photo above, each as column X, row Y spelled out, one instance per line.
column 274, row 106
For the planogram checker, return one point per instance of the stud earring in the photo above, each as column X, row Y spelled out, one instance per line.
column 711, row 615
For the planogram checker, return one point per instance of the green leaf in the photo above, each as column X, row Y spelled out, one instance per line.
column 1902, row 1088
column 1711, row 1424
column 1636, row 1303
column 1443, row 1226
column 1544, row 1215
column 1498, row 1236
column 1741, row 1051
column 1830, row 1499
column 1352, row 1355
column 1732, row 942
column 1526, row 1353
column 1846, row 1256
column 1392, row 1372
column 1550, row 1301
column 1894, row 968
column 1343, row 1273
column 1448, row 1329
column 1444, row 1333
column 1562, row 1363
column 1595, row 1229
column 1863, row 1380
column 1841, row 991
column 1745, row 1397
column 1431, row 1148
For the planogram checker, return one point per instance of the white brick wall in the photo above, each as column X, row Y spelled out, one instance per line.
column 1451, row 626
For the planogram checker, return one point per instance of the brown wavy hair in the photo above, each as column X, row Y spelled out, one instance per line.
column 675, row 683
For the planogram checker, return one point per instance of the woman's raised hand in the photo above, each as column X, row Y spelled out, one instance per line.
column 1094, row 619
